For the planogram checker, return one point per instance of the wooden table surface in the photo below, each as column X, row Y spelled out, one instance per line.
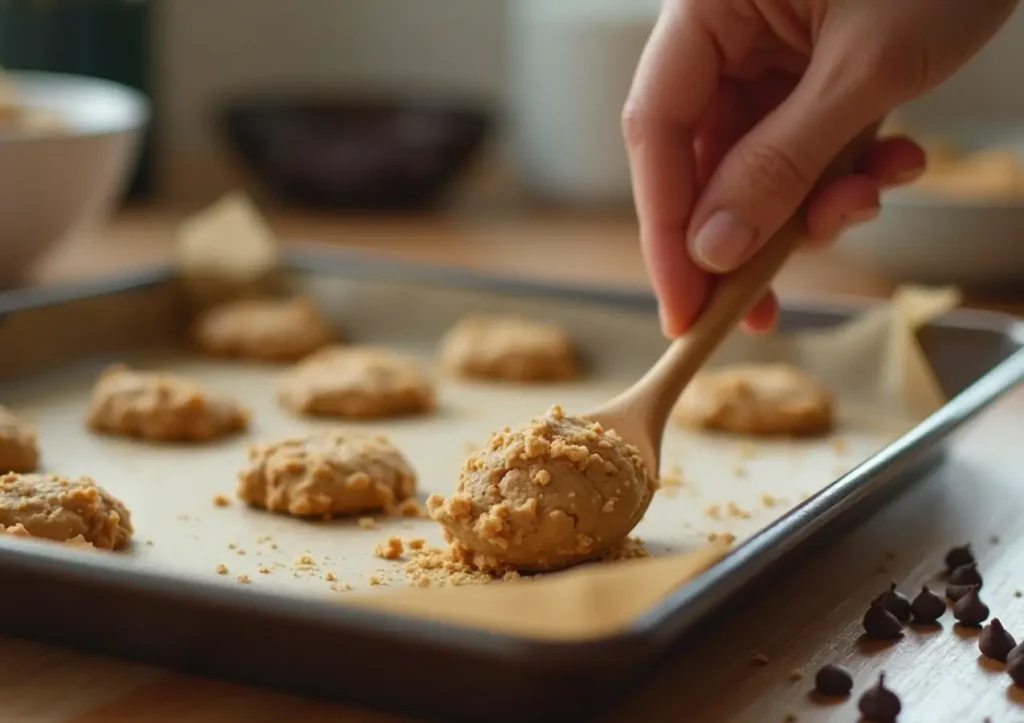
column 803, row 619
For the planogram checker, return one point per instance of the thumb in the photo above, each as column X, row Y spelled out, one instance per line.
column 767, row 174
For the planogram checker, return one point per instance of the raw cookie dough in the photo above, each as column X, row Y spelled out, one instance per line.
column 63, row 510
column 358, row 382
column 558, row 492
column 327, row 473
column 759, row 399
column 266, row 329
column 161, row 407
column 508, row 347
column 19, row 451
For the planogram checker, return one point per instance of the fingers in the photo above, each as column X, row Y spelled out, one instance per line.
column 659, row 124
column 840, row 204
column 893, row 161
column 767, row 175
column 763, row 316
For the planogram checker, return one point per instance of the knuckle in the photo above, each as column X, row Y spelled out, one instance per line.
column 773, row 171
column 895, row 72
column 634, row 123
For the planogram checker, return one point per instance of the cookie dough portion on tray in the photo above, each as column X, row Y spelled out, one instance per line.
column 161, row 407
column 508, row 347
column 327, row 473
column 63, row 510
column 19, row 450
column 756, row 399
column 558, row 492
column 263, row 329
column 357, row 382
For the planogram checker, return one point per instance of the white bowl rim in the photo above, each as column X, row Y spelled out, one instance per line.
column 137, row 105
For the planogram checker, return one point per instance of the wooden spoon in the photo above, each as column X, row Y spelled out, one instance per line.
column 639, row 414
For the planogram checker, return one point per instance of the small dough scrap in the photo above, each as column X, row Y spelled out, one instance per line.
column 327, row 473
column 265, row 329
column 63, row 510
column 756, row 399
column 558, row 492
column 161, row 407
column 510, row 348
column 19, row 450
column 356, row 382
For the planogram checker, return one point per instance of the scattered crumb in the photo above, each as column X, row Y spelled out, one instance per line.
column 760, row 659
column 994, row 539
column 728, row 537
column 415, row 543
column 714, row 512
column 264, row 570
column 304, row 562
column 367, row 523
column 240, row 551
column 423, row 581
column 232, row 546
column 260, row 539
column 221, row 501
column 390, row 550
column 273, row 545
column 1018, row 593
column 149, row 542
column 796, row 674
column 411, row 508
column 329, row 577
column 244, row 579
column 376, row 580
column 222, row 569
column 341, row 587
column 739, row 471
column 769, row 500
column 629, row 549
column 442, row 566
column 737, row 511
column 839, row 445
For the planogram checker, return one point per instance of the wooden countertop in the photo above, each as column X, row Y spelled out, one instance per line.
column 803, row 619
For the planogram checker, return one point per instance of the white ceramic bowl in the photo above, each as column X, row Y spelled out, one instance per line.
column 938, row 239
column 58, row 183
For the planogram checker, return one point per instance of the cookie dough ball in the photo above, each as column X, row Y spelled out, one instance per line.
column 19, row 451
column 756, row 399
column 356, row 382
column 263, row 329
column 161, row 407
column 63, row 510
column 327, row 473
column 509, row 348
column 558, row 492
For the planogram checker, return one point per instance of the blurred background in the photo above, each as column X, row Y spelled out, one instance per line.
column 443, row 109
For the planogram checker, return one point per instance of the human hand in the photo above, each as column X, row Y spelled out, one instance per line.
column 738, row 106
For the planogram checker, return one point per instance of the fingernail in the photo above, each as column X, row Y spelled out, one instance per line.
column 669, row 327
column 723, row 241
column 859, row 216
column 908, row 176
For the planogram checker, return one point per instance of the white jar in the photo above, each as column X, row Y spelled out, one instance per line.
column 572, row 62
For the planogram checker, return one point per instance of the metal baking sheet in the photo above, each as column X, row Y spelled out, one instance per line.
column 65, row 340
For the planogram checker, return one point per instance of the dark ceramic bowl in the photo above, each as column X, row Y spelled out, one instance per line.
column 356, row 154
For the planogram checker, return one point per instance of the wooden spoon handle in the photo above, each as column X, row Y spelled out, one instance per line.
column 734, row 294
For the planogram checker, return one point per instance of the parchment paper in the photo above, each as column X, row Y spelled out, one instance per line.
column 724, row 484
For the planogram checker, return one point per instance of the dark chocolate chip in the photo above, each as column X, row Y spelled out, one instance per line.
column 995, row 642
column 955, row 592
column 927, row 607
column 970, row 610
column 1016, row 670
column 958, row 556
column 879, row 704
column 1017, row 652
column 896, row 603
column 880, row 623
column 833, row 680
column 966, row 575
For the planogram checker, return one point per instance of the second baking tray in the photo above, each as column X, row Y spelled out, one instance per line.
column 140, row 607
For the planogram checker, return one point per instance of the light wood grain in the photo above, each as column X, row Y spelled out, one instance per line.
column 805, row 618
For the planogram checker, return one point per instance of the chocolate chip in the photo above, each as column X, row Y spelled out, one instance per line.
column 970, row 610
column 995, row 642
column 1017, row 652
column 927, row 607
column 879, row 704
column 955, row 592
column 896, row 603
column 833, row 681
column 1016, row 670
column 966, row 575
column 880, row 623
column 958, row 556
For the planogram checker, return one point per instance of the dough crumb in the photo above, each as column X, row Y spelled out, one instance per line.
column 728, row 537
column 221, row 501
column 330, row 577
column 357, row 382
column 336, row 472
column 509, row 348
column 412, row 508
column 262, row 329
column 161, row 407
column 391, row 549
column 222, row 569
column 244, row 579
column 415, row 543
column 796, row 674
column 450, row 565
column 19, row 447
column 736, row 511
column 713, row 511
column 367, row 523
column 769, row 500
column 264, row 570
column 376, row 580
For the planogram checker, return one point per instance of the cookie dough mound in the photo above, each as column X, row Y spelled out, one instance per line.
column 263, row 329
column 508, row 347
column 558, row 492
column 161, row 407
column 357, row 382
column 63, row 510
column 327, row 473
column 19, row 450
column 757, row 399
